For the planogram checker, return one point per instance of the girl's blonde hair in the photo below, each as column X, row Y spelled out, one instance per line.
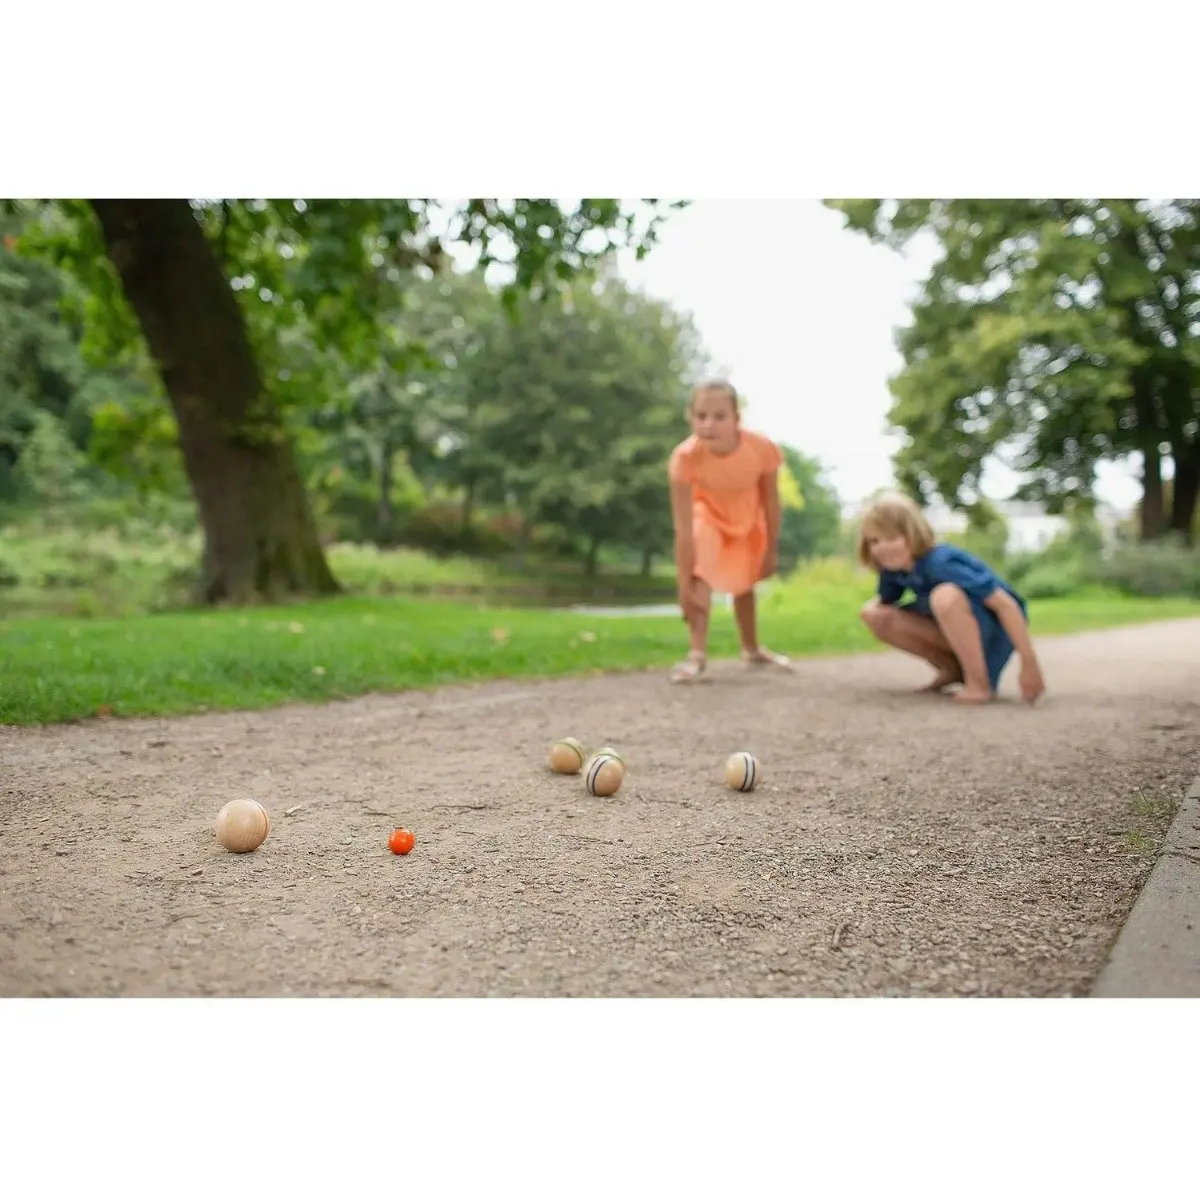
column 894, row 515
column 716, row 385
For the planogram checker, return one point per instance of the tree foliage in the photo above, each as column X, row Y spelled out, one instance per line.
column 226, row 294
column 467, row 417
column 553, row 415
column 811, row 509
column 1057, row 334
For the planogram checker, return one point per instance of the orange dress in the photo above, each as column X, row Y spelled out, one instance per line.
column 729, row 522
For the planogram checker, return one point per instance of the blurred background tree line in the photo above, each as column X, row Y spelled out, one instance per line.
column 1055, row 335
column 254, row 399
column 250, row 383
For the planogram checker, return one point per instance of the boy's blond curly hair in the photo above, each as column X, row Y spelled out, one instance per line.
column 894, row 515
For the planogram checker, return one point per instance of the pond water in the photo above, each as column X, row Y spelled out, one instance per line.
column 631, row 610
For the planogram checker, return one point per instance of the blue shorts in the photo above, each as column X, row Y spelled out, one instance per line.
column 997, row 645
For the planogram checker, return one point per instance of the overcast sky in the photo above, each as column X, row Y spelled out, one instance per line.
column 801, row 314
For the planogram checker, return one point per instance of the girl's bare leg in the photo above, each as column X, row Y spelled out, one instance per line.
column 952, row 610
column 694, row 665
column 915, row 635
column 745, row 613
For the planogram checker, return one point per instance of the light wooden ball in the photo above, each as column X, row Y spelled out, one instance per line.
column 742, row 772
column 242, row 826
column 566, row 757
column 603, row 775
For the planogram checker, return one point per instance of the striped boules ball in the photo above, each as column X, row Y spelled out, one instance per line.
column 611, row 753
column 742, row 772
column 603, row 774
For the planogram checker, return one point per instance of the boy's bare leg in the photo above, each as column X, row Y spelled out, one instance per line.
column 918, row 636
column 694, row 665
column 745, row 613
column 952, row 611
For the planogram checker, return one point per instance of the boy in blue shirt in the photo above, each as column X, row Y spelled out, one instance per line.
column 964, row 619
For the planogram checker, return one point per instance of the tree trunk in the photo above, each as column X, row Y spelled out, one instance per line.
column 260, row 537
column 1185, row 492
column 1151, row 508
column 593, row 557
column 647, row 563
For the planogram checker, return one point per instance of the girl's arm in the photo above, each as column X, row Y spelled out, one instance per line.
column 685, row 549
column 769, row 489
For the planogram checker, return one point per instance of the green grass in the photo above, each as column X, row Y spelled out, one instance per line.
column 57, row 669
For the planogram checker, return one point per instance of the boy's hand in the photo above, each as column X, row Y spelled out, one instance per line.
column 770, row 564
column 1032, row 684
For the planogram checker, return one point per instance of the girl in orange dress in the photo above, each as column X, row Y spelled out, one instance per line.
column 725, row 502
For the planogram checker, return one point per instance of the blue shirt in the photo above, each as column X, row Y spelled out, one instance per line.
column 943, row 564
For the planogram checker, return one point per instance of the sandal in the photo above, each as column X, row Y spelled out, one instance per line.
column 690, row 669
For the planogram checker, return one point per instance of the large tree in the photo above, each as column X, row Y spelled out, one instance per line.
column 812, row 522
column 213, row 285
column 1064, row 332
column 571, row 414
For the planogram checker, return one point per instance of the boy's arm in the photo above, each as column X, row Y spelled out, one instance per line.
column 1008, row 613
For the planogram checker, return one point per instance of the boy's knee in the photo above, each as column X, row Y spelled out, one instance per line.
column 947, row 597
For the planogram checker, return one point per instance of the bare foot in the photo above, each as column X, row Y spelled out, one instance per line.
column 973, row 694
column 946, row 677
column 762, row 657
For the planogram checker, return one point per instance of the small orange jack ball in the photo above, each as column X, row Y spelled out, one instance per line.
column 401, row 842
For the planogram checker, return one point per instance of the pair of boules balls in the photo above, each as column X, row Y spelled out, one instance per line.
column 242, row 826
column 603, row 771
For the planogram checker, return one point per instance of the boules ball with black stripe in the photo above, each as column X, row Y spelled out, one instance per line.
column 611, row 753
column 742, row 772
column 604, row 773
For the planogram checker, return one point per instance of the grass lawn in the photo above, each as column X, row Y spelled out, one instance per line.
column 58, row 669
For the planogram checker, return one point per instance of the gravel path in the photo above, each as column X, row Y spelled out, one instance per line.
column 898, row 846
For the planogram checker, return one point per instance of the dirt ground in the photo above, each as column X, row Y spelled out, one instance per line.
column 899, row 845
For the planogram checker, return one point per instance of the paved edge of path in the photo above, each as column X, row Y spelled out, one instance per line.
column 1157, row 952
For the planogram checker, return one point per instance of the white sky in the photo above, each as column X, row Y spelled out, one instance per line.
column 800, row 314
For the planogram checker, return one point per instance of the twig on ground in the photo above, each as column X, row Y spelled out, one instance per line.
column 664, row 800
